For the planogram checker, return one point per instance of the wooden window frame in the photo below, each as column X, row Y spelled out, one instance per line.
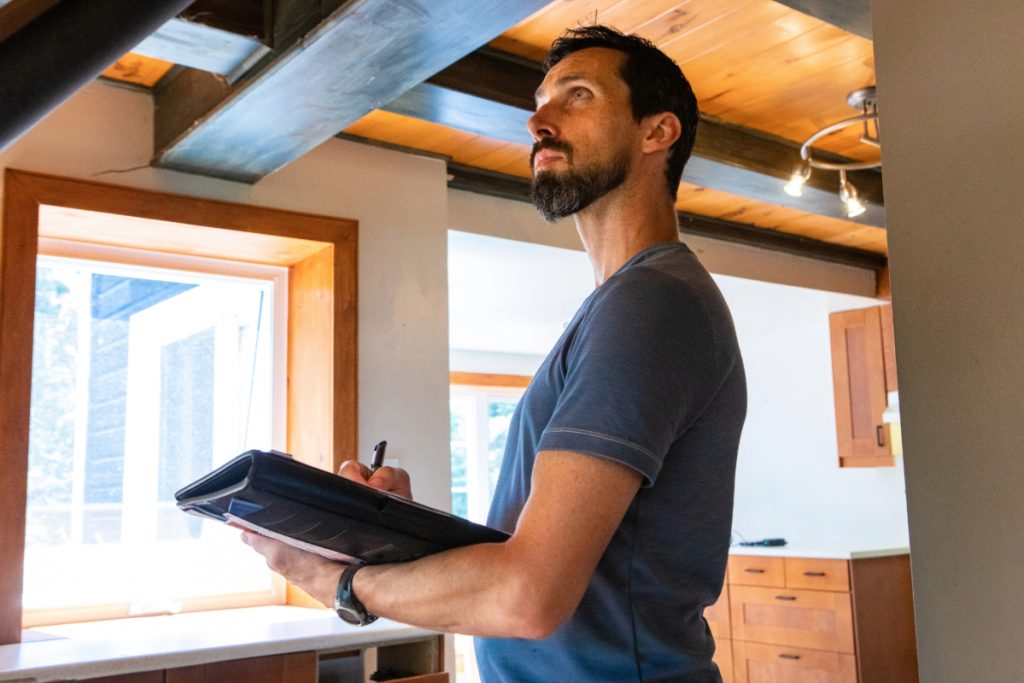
column 320, row 253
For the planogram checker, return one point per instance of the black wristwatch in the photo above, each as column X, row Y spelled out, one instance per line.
column 346, row 604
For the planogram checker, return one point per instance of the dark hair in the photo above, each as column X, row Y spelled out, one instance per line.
column 656, row 84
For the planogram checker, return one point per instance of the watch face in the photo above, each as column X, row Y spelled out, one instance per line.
column 349, row 615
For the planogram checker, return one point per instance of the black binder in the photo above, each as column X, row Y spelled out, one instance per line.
column 306, row 507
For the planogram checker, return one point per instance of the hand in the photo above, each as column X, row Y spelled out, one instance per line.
column 314, row 574
column 391, row 479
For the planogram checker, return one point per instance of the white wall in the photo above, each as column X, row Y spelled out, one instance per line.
column 400, row 203
column 950, row 78
column 788, row 481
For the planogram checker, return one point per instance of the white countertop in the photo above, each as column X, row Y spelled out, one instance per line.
column 121, row 646
column 820, row 550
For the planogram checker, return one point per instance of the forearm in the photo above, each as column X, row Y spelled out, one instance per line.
column 476, row 590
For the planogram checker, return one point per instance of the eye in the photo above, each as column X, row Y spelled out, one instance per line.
column 580, row 93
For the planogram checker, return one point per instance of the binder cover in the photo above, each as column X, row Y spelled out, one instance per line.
column 306, row 507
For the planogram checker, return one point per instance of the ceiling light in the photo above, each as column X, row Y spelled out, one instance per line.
column 795, row 186
column 865, row 100
column 848, row 193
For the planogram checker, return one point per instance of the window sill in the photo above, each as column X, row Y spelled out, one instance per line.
column 123, row 646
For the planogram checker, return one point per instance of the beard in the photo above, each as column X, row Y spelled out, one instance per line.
column 557, row 195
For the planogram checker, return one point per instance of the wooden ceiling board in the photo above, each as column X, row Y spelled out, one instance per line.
column 139, row 70
column 755, row 63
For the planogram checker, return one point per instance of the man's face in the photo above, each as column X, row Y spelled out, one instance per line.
column 584, row 129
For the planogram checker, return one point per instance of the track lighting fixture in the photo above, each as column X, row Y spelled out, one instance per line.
column 863, row 99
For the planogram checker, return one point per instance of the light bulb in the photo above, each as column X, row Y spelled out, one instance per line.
column 795, row 186
column 848, row 193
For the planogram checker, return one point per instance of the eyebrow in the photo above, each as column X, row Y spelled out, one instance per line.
column 568, row 78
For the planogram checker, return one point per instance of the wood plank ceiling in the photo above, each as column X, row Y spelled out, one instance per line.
column 753, row 63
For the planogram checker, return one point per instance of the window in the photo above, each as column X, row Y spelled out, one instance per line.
column 480, row 418
column 144, row 378
column 318, row 254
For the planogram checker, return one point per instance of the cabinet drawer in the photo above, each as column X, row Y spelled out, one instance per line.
column 820, row 620
column 717, row 616
column 751, row 570
column 757, row 663
column 724, row 659
column 816, row 574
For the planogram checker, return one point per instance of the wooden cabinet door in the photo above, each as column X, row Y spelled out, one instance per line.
column 723, row 658
column 817, row 574
column 820, row 620
column 717, row 616
column 298, row 667
column 858, row 374
column 758, row 663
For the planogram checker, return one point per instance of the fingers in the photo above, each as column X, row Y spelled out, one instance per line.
column 354, row 470
column 393, row 480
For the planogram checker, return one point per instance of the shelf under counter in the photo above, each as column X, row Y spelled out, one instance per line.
column 141, row 644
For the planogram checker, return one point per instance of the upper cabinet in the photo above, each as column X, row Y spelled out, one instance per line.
column 863, row 371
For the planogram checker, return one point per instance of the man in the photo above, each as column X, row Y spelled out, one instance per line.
column 617, row 482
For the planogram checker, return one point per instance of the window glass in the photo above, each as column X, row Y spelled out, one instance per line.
column 143, row 379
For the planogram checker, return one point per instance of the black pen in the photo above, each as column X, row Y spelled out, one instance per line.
column 378, row 456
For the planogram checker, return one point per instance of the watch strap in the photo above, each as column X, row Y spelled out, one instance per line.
column 346, row 604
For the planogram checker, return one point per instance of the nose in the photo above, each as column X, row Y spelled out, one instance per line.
column 541, row 124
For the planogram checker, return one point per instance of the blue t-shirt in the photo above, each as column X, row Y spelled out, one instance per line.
column 648, row 374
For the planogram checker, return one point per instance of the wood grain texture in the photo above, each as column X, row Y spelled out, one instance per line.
column 311, row 360
column 299, row 667
column 18, row 240
column 756, row 63
column 761, row 663
column 138, row 70
column 144, row 677
column 884, row 617
column 482, row 379
column 858, row 377
column 817, row 574
column 888, row 349
column 753, row 570
column 820, row 620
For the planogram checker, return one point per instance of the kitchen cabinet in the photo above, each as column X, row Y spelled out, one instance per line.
column 863, row 371
column 830, row 620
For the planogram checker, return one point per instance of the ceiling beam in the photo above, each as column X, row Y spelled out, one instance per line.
column 223, row 37
column 491, row 93
column 65, row 47
column 513, row 187
column 853, row 16
column 356, row 59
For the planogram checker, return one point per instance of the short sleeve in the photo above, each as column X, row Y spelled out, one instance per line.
column 639, row 370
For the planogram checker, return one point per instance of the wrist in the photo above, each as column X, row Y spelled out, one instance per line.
column 346, row 603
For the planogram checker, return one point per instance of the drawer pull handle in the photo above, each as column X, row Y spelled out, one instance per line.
column 751, row 570
column 785, row 656
column 814, row 573
column 787, row 598
column 880, row 433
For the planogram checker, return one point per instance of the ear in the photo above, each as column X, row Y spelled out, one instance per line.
column 661, row 132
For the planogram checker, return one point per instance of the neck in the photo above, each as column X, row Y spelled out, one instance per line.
column 624, row 222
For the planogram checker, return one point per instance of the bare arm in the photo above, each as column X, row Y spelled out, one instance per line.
column 523, row 588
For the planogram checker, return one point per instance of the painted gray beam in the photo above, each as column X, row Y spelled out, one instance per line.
column 65, row 47
column 513, row 187
column 359, row 58
column 200, row 46
column 853, row 16
column 491, row 94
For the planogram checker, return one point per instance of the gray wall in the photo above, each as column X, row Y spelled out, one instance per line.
column 951, row 94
